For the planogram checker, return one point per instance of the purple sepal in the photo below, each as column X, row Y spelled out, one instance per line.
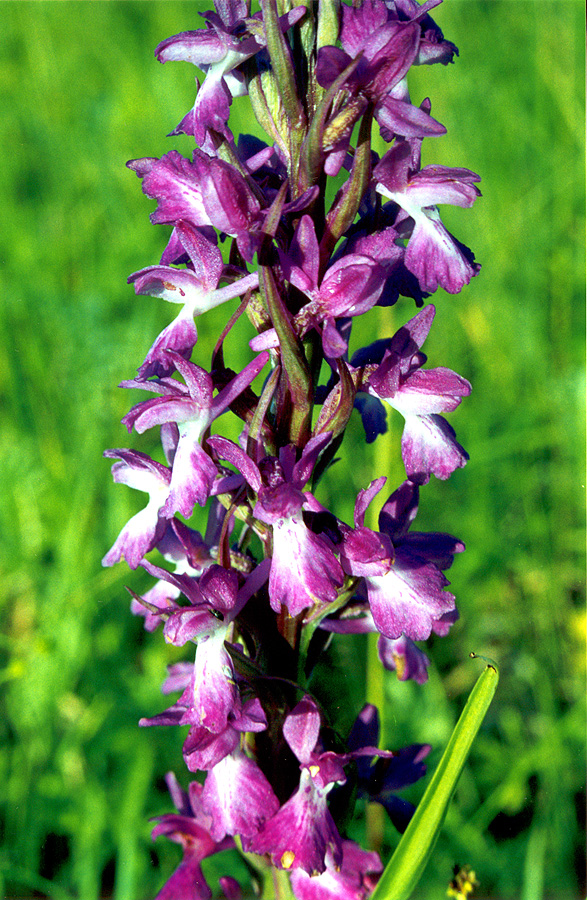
column 373, row 416
column 354, row 880
column 161, row 595
column 231, row 452
column 173, row 181
column 398, row 117
column 301, row 729
column 350, row 287
column 237, row 797
column 229, row 201
column 180, row 336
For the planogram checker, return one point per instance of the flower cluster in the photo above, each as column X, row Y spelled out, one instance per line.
column 275, row 571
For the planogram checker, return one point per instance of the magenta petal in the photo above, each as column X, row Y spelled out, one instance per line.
column 215, row 691
column 203, row 47
column 211, row 109
column 186, row 624
column 191, row 480
column 366, row 553
column 365, row 497
column 181, row 336
column 351, row 286
column 139, row 535
column 429, row 391
column 429, row 447
column 304, row 570
column 174, row 183
column 202, row 750
column 237, row 797
column 162, row 595
column 227, row 198
column 238, row 458
column 436, row 258
column 399, row 117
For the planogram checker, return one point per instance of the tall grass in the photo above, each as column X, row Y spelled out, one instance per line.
column 81, row 94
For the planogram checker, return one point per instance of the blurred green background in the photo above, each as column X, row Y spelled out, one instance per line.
column 81, row 94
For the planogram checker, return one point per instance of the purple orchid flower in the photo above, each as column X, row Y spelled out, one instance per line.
column 434, row 48
column 384, row 246
column 146, row 528
column 302, row 834
column 429, row 446
column 387, row 46
column 204, row 749
column 195, row 288
column 379, row 781
column 351, row 285
column 304, row 569
column 434, row 256
column 404, row 657
column 206, row 191
column 218, row 50
column 193, row 408
column 403, row 578
column 210, row 698
column 214, row 600
column 355, row 879
column 190, row 828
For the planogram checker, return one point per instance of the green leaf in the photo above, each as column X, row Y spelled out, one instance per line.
column 404, row 869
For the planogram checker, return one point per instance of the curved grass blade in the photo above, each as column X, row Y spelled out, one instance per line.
column 404, row 869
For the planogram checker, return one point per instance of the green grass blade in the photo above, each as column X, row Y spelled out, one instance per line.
column 407, row 863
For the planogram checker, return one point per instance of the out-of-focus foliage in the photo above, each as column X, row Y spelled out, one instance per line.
column 81, row 93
